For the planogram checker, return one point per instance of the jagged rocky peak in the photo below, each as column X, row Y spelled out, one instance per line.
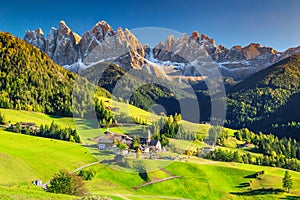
column 254, row 50
column 94, row 37
column 237, row 48
column 65, row 51
column 195, row 36
column 211, row 40
column 51, row 42
column 65, row 30
column 63, row 27
column 60, row 44
column 184, row 38
column 35, row 38
column 101, row 29
column 103, row 43
column 39, row 31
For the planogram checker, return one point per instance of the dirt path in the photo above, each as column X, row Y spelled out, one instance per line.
column 156, row 181
column 84, row 166
column 154, row 197
column 44, row 186
column 165, row 171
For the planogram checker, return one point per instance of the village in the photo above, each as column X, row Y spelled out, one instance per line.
column 126, row 145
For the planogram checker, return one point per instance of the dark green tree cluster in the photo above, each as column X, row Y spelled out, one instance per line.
column 52, row 131
column 104, row 115
column 87, row 174
column 287, row 181
column 30, row 80
column 150, row 94
column 287, row 128
column 283, row 153
column 170, row 127
column 270, row 145
column 135, row 143
column 67, row 183
column 214, row 133
column 267, row 97
column 273, row 161
column 124, row 118
column 140, row 120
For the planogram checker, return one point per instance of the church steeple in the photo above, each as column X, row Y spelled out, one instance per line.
column 149, row 136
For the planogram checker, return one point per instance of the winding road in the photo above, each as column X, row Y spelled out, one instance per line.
column 44, row 186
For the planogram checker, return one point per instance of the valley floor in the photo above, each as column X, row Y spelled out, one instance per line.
column 26, row 158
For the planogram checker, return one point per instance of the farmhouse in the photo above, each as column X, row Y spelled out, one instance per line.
column 155, row 146
column 22, row 126
column 206, row 150
column 106, row 142
column 114, row 109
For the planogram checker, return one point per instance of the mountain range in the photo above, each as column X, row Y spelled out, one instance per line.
column 176, row 55
column 263, row 101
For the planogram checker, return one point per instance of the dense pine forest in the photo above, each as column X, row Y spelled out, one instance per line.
column 262, row 101
column 30, row 80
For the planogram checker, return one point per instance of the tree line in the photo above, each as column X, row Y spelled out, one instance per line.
column 273, row 161
column 283, row 153
column 270, row 145
column 52, row 131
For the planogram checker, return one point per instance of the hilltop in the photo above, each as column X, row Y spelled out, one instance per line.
column 266, row 96
column 30, row 80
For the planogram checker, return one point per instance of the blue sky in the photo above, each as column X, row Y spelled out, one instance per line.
column 273, row 23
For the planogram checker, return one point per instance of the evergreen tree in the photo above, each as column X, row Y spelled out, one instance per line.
column 287, row 182
column 2, row 118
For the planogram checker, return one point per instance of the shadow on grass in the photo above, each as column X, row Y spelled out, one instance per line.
column 251, row 176
column 87, row 123
column 262, row 191
column 243, row 185
column 291, row 197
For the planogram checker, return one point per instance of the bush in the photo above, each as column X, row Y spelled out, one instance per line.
column 67, row 183
column 87, row 174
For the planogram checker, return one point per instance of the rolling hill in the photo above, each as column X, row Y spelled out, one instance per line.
column 138, row 87
column 26, row 158
column 266, row 96
column 30, row 80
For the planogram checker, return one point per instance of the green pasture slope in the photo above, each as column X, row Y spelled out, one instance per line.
column 26, row 158
column 14, row 116
column 203, row 180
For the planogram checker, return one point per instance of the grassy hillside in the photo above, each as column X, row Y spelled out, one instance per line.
column 32, row 193
column 200, row 180
column 15, row 116
column 26, row 158
column 30, row 80
column 258, row 98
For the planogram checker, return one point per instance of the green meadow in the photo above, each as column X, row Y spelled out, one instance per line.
column 26, row 158
column 14, row 116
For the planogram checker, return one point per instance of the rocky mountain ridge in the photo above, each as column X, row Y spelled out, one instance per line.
column 102, row 43
column 238, row 62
